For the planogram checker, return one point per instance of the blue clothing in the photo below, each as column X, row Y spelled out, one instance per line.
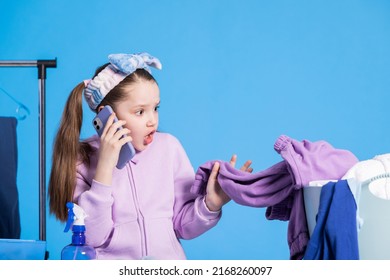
column 9, row 197
column 335, row 234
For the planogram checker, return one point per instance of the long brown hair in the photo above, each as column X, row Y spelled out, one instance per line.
column 68, row 149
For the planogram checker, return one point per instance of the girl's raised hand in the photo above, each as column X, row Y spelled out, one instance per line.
column 111, row 142
column 215, row 196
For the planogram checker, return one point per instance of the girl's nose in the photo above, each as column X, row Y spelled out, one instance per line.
column 152, row 120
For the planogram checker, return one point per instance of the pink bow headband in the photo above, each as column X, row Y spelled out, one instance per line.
column 121, row 66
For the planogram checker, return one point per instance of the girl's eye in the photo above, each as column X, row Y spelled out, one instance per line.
column 139, row 113
column 157, row 107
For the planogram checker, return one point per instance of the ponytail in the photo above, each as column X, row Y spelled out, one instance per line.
column 67, row 151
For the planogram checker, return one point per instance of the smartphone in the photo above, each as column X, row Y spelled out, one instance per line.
column 99, row 122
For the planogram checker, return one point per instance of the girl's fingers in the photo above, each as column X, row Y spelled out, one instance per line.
column 121, row 133
column 124, row 140
column 233, row 160
column 246, row 166
column 214, row 171
column 108, row 124
column 114, row 128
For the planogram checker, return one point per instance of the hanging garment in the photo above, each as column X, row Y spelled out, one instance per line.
column 279, row 188
column 335, row 233
column 9, row 199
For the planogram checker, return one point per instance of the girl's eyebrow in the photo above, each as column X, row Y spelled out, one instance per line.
column 154, row 103
column 145, row 105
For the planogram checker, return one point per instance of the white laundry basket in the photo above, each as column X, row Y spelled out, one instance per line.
column 374, row 235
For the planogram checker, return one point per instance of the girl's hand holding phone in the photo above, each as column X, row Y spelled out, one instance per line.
column 115, row 144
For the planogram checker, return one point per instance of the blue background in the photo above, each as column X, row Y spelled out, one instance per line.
column 236, row 75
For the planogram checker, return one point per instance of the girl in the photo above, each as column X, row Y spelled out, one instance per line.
column 142, row 210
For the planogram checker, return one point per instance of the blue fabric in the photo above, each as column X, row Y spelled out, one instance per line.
column 9, row 198
column 128, row 63
column 335, row 235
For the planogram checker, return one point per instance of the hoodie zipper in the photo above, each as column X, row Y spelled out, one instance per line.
column 140, row 217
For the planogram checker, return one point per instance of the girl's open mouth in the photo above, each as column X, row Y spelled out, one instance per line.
column 149, row 138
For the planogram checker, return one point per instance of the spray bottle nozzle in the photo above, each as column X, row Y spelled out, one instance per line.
column 76, row 216
column 78, row 249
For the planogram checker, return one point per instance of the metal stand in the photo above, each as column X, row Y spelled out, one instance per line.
column 41, row 65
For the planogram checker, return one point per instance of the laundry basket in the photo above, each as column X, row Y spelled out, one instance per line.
column 374, row 234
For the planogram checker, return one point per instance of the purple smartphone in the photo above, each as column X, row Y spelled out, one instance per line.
column 99, row 122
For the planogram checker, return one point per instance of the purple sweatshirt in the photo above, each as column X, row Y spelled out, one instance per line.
column 279, row 188
column 149, row 206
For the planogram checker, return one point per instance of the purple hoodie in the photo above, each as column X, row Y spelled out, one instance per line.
column 148, row 207
column 279, row 188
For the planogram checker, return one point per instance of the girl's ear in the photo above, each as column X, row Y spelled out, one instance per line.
column 100, row 108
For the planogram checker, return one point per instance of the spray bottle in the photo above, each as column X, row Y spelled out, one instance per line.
column 77, row 250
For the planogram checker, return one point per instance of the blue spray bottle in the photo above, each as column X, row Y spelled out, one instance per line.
column 77, row 250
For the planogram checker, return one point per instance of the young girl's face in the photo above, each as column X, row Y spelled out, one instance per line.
column 140, row 111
